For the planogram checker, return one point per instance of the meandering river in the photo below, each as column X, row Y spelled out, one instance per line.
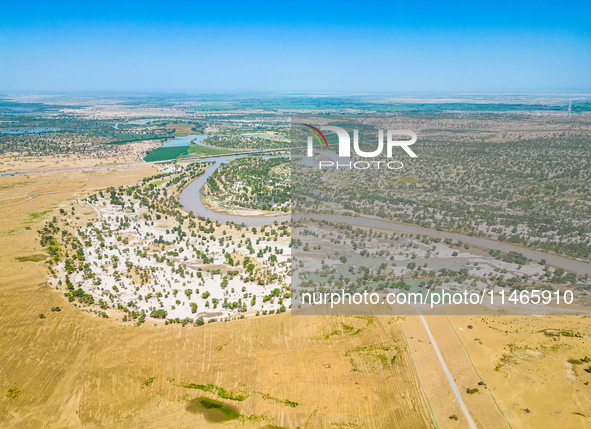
column 190, row 199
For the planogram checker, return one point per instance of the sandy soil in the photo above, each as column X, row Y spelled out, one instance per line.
column 534, row 383
column 74, row 369
column 216, row 207
column 128, row 153
column 164, row 279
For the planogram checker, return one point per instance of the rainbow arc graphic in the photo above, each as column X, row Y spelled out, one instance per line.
column 315, row 135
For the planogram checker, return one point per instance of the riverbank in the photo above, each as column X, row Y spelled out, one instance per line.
column 190, row 199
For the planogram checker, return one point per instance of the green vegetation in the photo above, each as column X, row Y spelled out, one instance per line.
column 62, row 134
column 561, row 332
column 122, row 138
column 156, row 198
column 38, row 215
column 285, row 402
column 371, row 104
column 252, row 183
column 372, row 358
column 212, row 410
column 240, row 395
column 247, row 142
column 12, row 393
column 343, row 329
column 220, row 391
column 32, row 258
column 158, row 314
column 198, row 150
column 149, row 381
column 513, row 257
column 165, row 153
column 524, row 188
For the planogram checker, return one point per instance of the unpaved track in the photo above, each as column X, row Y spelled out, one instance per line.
column 450, row 379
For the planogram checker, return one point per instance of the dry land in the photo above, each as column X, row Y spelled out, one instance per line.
column 75, row 368
column 90, row 363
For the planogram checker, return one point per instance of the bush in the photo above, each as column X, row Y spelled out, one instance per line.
column 158, row 314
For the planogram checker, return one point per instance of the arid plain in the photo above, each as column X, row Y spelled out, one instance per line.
column 73, row 369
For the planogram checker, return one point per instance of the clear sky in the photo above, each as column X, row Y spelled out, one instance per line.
column 409, row 46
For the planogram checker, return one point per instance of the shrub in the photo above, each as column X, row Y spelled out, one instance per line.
column 158, row 314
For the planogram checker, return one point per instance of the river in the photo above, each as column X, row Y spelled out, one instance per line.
column 578, row 267
column 190, row 199
column 29, row 131
column 186, row 141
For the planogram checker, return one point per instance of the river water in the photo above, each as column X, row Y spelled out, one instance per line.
column 568, row 264
column 186, row 141
column 190, row 199
column 29, row 131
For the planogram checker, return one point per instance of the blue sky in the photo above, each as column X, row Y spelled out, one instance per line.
column 448, row 46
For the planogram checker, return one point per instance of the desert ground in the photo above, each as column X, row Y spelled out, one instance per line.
column 74, row 369
column 129, row 153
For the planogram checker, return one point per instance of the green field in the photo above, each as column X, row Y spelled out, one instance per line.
column 165, row 153
column 197, row 150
